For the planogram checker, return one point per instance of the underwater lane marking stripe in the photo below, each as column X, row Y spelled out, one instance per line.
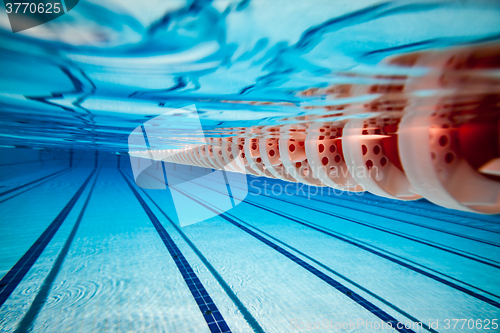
column 252, row 322
column 378, row 312
column 228, row 187
column 390, row 231
column 26, row 324
column 213, row 317
column 345, row 278
column 394, row 260
column 402, row 211
column 48, row 180
column 408, row 204
column 469, row 256
column 395, row 208
column 412, row 223
column 395, row 233
column 380, row 254
column 27, row 184
column 428, row 206
column 12, row 279
column 392, row 306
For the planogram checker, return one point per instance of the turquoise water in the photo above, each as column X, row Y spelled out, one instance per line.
column 83, row 249
column 87, row 79
column 265, row 264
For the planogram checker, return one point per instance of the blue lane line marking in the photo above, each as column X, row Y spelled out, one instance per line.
column 323, row 266
column 395, row 208
column 398, row 326
column 394, row 260
column 403, row 221
column 400, row 235
column 28, row 189
column 241, row 307
column 26, row 324
column 12, row 279
column 24, row 185
column 389, row 231
column 164, row 174
column 419, row 204
column 228, row 188
column 476, row 258
column 213, row 317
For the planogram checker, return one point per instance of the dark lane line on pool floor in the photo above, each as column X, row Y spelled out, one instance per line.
column 441, row 247
column 398, row 210
column 404, row 222
column 451, row 250
column 374, row 200
column 29, row 189
column 491, row 219
column 25, row 325
column 213, row 317
column 378, row 312
column 378, row 253
column 252, row 322
column 382, row 300
column 32, row 182
column 15, row 275
column 422, row 206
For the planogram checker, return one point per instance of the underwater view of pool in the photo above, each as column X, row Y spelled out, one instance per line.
column 250, row 166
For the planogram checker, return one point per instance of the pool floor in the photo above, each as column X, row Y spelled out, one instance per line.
column 86, row 250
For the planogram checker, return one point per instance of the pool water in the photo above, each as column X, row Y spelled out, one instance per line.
column 83, row 248
column 274, row 263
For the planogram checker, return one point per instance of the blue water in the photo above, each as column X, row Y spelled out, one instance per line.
column 88, row 78
column 83, row 249
column 274, row 263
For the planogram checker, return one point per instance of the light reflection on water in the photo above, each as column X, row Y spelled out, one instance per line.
column 88, row 78
column 254, row 70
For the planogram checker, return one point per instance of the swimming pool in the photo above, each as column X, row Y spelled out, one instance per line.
column 273, row 263
column 169, row 167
